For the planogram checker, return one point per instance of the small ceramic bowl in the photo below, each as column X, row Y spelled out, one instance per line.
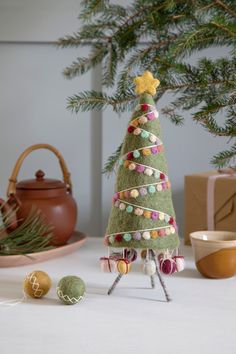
column 215, row 253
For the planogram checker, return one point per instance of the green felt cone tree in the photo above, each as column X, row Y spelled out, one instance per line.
column 142, row 214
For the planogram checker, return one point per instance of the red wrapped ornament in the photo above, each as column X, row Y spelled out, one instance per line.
column 168, row 266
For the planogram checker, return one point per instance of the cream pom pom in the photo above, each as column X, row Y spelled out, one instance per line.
column 138, row 212
column 152, row 138
column 132, row 166
column 146, row 235
column 148, row 172
column 134, row 193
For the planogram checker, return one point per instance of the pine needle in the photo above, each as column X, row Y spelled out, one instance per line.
column 33, row 235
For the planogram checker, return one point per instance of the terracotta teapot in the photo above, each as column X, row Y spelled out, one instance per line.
column 53, row 197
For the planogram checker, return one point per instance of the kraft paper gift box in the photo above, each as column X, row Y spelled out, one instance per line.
column 210, row 202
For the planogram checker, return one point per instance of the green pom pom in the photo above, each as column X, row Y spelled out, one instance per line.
column 127, row 237
column 70, row 289
column 144, row 134
column 129, row 209
column 136, row 154
column 151, row 189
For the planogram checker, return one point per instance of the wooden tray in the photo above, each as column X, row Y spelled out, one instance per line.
column 76, row 241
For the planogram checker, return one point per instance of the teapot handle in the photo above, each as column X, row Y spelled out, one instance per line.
column 13, row 179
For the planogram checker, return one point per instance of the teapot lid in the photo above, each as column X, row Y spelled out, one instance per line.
column 40, row 182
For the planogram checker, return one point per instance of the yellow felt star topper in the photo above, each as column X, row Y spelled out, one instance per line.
column 146, row 83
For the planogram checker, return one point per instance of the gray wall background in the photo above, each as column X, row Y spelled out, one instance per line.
column 33, row 96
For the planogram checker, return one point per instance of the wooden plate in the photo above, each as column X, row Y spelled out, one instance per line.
column 76, row 240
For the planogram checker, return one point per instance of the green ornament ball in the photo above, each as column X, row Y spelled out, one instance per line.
column 70, row 289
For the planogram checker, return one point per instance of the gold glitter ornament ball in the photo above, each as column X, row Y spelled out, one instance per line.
column 37, row 284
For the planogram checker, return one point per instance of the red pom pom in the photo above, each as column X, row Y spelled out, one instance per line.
column 162, row 176
column 171, row 221
column 130, row 129
column 144, row 107
column 118, row 238
column 130, row 156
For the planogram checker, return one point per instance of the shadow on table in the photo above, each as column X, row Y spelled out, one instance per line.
column 12, row 293
column 124, row 292
column 188, row 273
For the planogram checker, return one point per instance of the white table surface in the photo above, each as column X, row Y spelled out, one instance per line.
column 134, row 319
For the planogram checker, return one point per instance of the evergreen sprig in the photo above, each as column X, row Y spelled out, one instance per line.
column 160, row 36
column 112, row 161
column 33, row 235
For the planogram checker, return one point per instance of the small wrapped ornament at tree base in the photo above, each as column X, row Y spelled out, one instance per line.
column 108, row 265
column 168, row 266
column 149, row 267
column 123, row 266
column 180, row 263
column 142, row 215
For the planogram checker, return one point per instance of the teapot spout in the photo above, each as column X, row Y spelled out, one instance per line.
column 9, row 217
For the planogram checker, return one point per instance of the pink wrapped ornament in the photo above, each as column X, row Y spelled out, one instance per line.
column 180, row 263
column 108, row 265
column 168, row 266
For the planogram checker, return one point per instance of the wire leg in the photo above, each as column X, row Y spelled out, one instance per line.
column 152, row 281
column 118, row 278
column 160, row 277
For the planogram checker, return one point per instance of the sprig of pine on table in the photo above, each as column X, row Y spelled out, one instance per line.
column 33, row 235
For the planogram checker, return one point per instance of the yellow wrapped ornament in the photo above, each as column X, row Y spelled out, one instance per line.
column 123, row 266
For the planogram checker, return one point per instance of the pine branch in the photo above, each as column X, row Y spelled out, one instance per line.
column 172, row 30
column 91, row 8
column 226, row 8
column 225, row 158
column 93, row 100
column 112, row 161
column 82, row 65
column 110, row 66
column 33, row 235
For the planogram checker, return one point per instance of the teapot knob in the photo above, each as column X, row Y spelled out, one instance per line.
column 39, row 175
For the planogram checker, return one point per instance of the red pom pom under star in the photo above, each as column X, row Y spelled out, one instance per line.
column 144, row 107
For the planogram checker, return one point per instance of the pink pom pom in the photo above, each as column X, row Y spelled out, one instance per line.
column 168, row 266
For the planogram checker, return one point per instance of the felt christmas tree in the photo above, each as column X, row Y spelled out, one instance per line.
column 142, row 215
